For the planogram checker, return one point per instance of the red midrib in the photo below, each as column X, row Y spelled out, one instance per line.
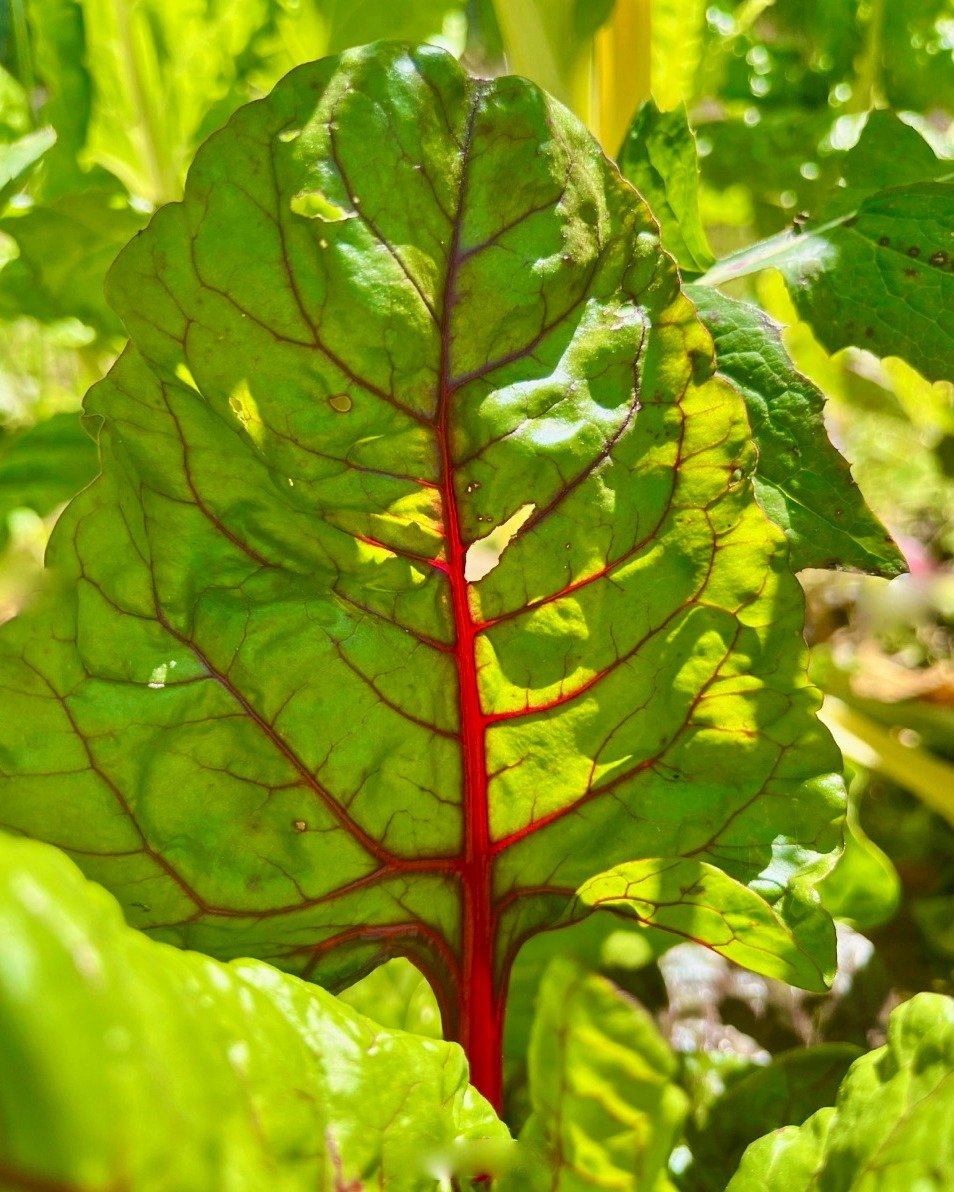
column 480, row 1023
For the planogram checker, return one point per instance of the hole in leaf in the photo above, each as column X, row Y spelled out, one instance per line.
column 484, row 554
column 315, row 205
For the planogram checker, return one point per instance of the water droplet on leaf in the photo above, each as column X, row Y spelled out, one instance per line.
column 340, row 402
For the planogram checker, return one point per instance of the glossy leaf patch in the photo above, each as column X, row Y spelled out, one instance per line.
column 801, row 481
column 268, row 710
column 703, row 905
column 127, row 1063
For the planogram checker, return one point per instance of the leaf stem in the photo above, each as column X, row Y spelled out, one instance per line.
column 623, row 70
column 480, row 1027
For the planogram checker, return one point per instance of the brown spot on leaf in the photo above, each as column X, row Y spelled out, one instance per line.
column 300, row 826
column 340, row 402
column 939, row 258
column 884, row 241
column 914, row 251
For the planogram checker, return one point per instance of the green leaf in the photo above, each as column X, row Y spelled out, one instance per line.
column 130, row 1063
column 19, row 157
column 801, row 480
column 43, row 466
column 64, row 247
column 892, row 1129
column 607, row 1110
column 702, row 904
column 875, row 266
column 864, row 888
column 659, row 158
column 290, row 725
column 796, row 1084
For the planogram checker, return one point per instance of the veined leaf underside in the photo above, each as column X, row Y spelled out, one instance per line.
column 271, row 714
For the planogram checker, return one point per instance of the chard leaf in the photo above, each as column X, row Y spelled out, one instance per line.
column 875, row 266
column 801, row 480
column 703, row 905
column 892, row 1128
column 129, row 1063
column 43, row 466
column 271, row 708
column 607, row 1110
column 659, row 158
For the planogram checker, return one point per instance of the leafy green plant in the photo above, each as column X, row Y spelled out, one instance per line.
column 434, row 600
column 283, row 644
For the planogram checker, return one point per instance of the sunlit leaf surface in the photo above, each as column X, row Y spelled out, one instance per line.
column 268, row 710
column 127, row 1063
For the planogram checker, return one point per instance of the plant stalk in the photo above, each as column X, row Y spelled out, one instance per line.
column 623, row 66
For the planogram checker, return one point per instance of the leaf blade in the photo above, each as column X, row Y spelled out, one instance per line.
column 280, row 621
column 114, row 1045
column 801, row 480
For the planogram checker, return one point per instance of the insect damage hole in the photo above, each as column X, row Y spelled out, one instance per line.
column 484, row 554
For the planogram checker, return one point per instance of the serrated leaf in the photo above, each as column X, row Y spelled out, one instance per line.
column 875, row 266
column 796, row 1084
column 607, row 1110
column 892, row 1129
column 129, row 1063
column 703, row 905
column 43, row 466
column 659, row 158
column 291, row 727
column 801, row 480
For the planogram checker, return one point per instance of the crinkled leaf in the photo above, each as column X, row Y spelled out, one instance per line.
column 699, row 902
column 659, row 158
column 127, row 1063
column 801, row 480
column 795, row 1085
column 875, row 266
column 43, row 466
column 267, row 709
column 607, row 1110
column 892, row 1129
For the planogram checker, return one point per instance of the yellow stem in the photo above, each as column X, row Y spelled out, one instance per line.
column 623, row 55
